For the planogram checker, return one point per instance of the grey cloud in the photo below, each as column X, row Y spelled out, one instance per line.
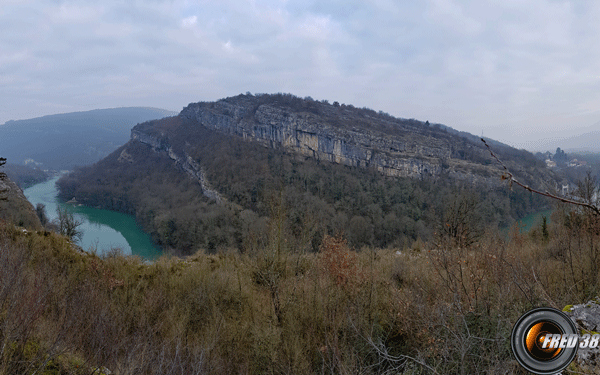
column 479, row 65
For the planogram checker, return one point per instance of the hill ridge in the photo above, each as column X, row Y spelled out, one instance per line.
column 62, row 141
column 351, row 136
column 330, row 172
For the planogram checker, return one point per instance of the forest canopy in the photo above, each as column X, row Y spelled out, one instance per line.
column 317, row 197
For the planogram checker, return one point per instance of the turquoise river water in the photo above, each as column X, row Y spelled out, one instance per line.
column 102, row 229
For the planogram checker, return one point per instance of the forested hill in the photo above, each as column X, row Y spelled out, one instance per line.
column 358, row 136
column 65, row 140
column 205, row 180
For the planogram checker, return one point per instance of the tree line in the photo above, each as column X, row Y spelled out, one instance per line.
column 318, row 197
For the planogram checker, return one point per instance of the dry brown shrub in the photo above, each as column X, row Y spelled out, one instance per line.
column 339, row 262
column 105, row 275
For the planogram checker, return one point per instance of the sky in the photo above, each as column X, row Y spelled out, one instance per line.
column 524, row 72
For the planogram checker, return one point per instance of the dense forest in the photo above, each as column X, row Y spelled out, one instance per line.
column 316, row 197
column 25, row 176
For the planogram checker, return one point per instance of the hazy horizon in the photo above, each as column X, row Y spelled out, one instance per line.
column 523, row 73
column 575, row 143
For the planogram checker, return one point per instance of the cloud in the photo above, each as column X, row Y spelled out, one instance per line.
column 70, row 13
column 189, row 21
column 315, row 27
column 487, row 65
column 452, row 16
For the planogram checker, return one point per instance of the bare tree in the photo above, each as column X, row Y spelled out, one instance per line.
column 40, row 210
column 507, row 175
column 3, row 188
column 460, row 221
column 68, row 224
column 587, row 189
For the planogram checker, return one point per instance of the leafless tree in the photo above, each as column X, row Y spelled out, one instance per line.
column 3, row 188
column 68, row 224
column 507, row 175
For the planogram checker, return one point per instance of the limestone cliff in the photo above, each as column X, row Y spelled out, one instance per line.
column 309, row 135
column 347, row 135
column 184, row 161
column 342, row 134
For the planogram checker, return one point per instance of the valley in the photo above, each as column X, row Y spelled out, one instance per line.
column 103, row 230
column 209, row 178
column 283, row 233
column 299, row 187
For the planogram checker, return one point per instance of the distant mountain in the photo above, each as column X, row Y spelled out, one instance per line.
column 219, row 173
column 63, row 141
column 589, row 141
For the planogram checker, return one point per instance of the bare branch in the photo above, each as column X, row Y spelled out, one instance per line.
column 399, row 360
column 509, row 176
column 3, row 187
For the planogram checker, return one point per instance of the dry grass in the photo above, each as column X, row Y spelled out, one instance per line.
column 431, row 309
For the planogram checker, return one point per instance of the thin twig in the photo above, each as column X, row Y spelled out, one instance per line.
column 545, row 294
column 511, row 178
column 383, row 354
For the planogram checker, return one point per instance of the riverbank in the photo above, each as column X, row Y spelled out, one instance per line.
column 103, row 230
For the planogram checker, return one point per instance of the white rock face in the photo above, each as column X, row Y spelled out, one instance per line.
column 185, row 162
column 587, row 317
column 307, row 135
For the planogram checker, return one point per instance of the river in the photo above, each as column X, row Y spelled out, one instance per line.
column 535, row 220
column 102, row 229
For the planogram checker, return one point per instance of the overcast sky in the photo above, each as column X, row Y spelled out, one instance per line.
column 519, row 71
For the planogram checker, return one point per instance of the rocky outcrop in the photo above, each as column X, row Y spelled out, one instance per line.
column 587, row 318
column 381, row 143
column 14, row 206
column 184, row 161
column 156, row 143
column 345, row 135
column 306, row 135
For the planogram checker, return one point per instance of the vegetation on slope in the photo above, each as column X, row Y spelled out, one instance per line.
column 14, row 207
column 321, row 197
column 436, row 308
column 25, row 176
column 65, row 140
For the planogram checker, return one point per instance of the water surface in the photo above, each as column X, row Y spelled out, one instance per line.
column 535, row 220
column 103, row 230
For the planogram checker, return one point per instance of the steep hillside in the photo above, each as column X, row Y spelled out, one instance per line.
column 15, row 208
column 205, row 180
column 357, row 137
column 24, row 175
column 66, row 140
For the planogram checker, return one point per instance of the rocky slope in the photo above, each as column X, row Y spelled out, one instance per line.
column 14, row 206
column 350, row 136
column 382, row 180
column 182, row 160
